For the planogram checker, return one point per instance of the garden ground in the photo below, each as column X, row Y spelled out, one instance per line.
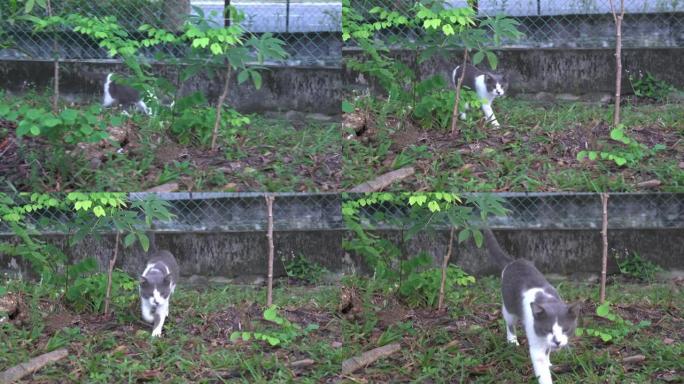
column 466, row 344
column 535, row 149
column 267, row 154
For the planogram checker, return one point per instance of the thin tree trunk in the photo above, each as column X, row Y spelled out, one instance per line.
column 269, row 236
column 112, row 262
column 604, row 256
column 618, row 58
column 55, row 96
column 445, row 265
column 454, row 114
column 219, row 108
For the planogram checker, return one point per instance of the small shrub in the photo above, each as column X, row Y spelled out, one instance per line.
column 635, row 266
column 422, row 289
column 647, row 86
column 618, row 328
column 87, row 290
column 283, row 335
column 630, row 155
column 302, row 269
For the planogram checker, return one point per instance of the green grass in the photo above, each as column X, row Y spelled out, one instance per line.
column 269, row 154
column 535, row 150
column 465, row 345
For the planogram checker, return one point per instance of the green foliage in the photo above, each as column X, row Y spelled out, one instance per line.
column 422, row 289
column 443, row 29
column 630, row 155
column 91, row 214
column 635, row 266
column 303, row 269
column 194, row 124
column 285, row 333
column 616, row 330
column 413, row 213
column 87, row 287
column 647, row 86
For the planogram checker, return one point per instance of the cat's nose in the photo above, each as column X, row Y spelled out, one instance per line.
column 555, row 341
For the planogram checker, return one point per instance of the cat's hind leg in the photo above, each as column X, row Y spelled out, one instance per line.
column 511, row 320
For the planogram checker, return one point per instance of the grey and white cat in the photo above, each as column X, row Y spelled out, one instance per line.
column 157, row 284
column 528, row 297
column 119, row 94
column 487, row 85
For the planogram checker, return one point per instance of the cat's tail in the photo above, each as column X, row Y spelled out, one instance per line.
column 501, row 258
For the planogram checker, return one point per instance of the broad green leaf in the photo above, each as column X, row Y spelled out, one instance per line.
column 347, row 107
column 271, row 313
column 256, row 79
column 129, row 239
column 603, row 309
column 477, row 57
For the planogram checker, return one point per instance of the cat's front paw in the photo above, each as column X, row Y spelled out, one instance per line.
column 156, row 332
column 513, row 340
column 496, row 124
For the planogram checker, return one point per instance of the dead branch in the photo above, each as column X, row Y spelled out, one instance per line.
column 445, row 264
column 269, row 236
column 618, row 57
column 634, row 359
column 219, row 107
column 302, row 363
column 604, row 256
column 110, row 271
column 18, row 371
column 381, row 182
column 168, row 187
column 352, row 364
column 454, row 114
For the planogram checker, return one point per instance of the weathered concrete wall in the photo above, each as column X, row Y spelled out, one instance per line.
column 217, row 254
column 243, row 254
column 577, row 71
column 305, row 89
column 565, row 252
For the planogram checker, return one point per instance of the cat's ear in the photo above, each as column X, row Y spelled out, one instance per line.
column 143, row 280
column 574, row 309
column 167, row 279
column 536, row 309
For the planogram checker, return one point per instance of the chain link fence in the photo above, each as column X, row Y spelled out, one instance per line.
column 220, row 212
column 567, row 23
column 310, row 29
column 561, row 211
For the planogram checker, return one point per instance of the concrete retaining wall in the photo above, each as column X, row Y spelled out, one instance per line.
column 577, row 71
column 305, row 89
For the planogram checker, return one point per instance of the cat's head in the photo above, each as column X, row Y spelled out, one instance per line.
column 555, row 322
column 156, row 289
column 496, row 84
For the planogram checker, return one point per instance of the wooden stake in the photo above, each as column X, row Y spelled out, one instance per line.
column 618, row 58
column 112, row 262
column 604, row 256
column 454, row 114
column 445, row 265
column 269, row 236
column 219, row 108
column 55, row 96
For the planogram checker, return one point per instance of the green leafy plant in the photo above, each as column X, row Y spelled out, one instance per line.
column 647, row 86
column 630, row 155
column 614, row 332
column 303, row 269
column 422, row 289
column 86, row 291
column 413, row 276
column 635, row 266
column 285, row 333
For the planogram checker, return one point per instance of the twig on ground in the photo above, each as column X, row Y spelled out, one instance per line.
column 604, row 255
column 302, row 363
column 18, row 371
column 382, row 181
column 352, row 364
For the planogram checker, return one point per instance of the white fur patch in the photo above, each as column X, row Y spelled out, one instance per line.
column 108, row 99
column 559, row 336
